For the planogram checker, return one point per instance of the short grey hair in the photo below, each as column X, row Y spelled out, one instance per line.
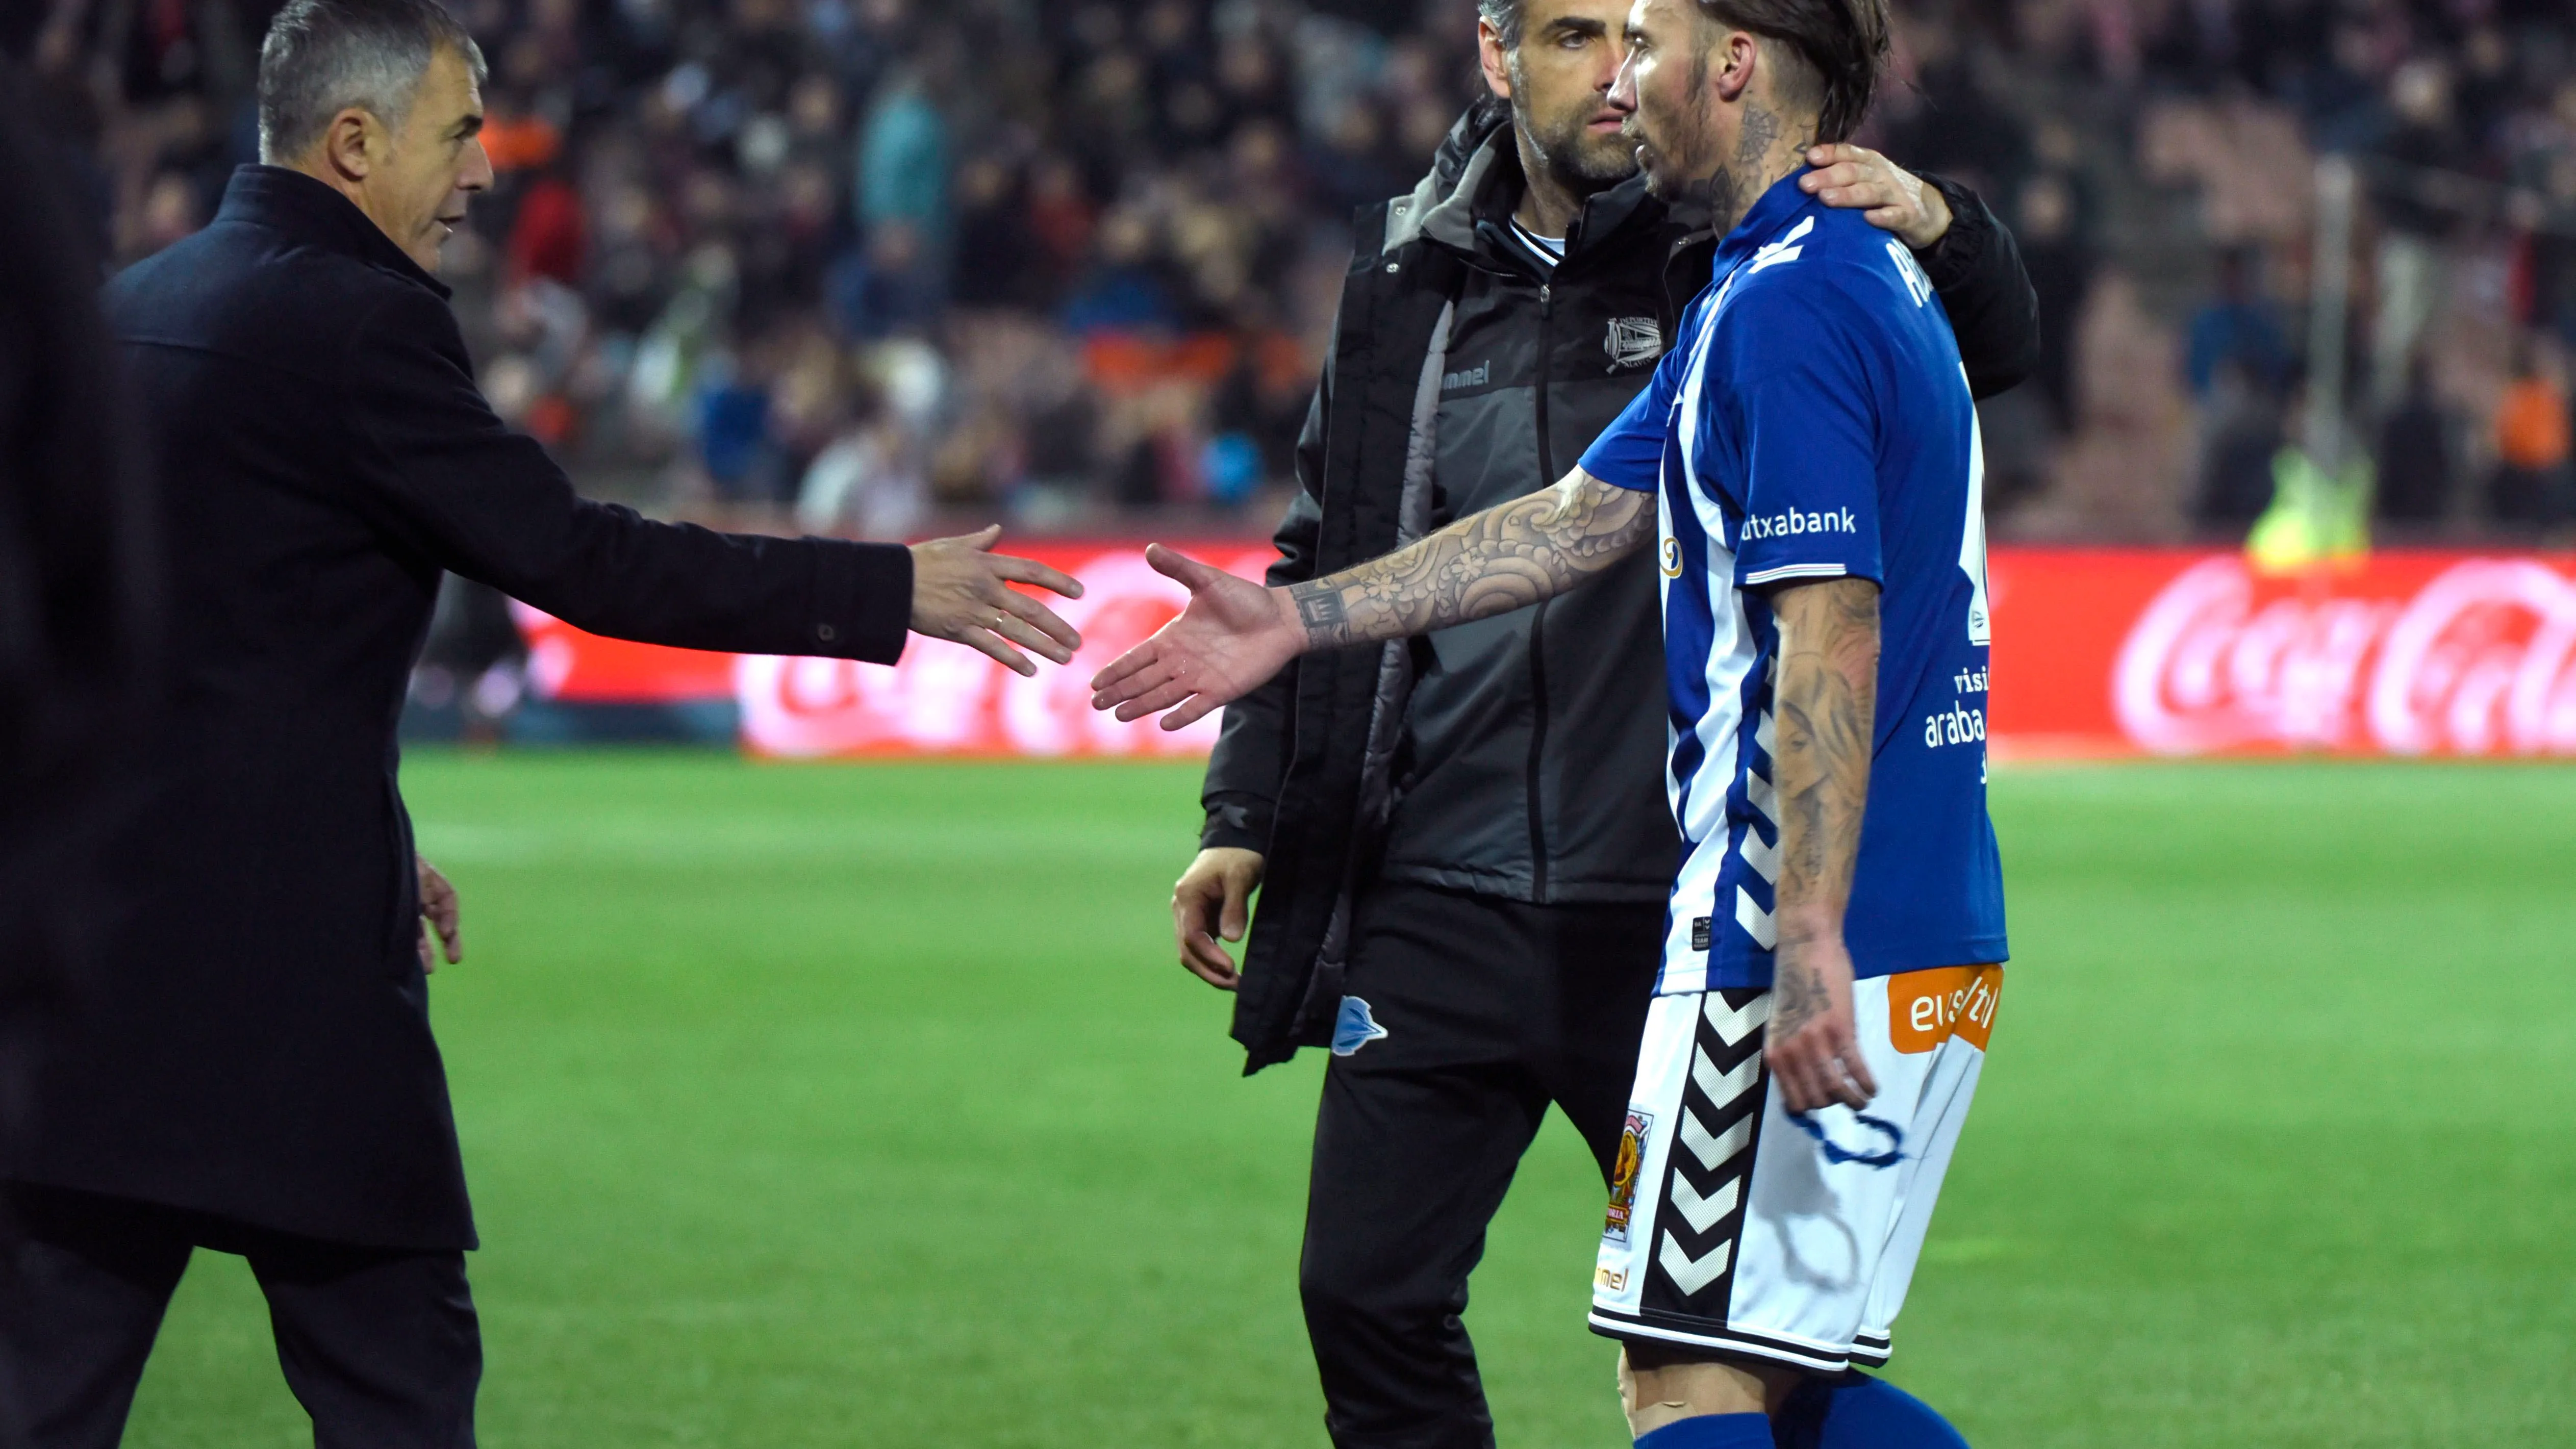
column 1505, row 17
column 323, row 56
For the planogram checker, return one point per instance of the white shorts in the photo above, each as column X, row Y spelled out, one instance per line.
column 1734, row 1226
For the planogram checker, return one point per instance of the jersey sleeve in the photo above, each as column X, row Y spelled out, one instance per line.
column 1630, row 452
column 1810, row 405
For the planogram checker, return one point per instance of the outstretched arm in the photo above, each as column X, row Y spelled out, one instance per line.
column 1825, row 709
column 1236, row 634
column 1508, row 557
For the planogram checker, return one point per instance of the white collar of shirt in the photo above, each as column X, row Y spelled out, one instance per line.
column 1547, row 250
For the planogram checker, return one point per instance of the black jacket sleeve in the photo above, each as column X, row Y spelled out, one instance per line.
column 1976, row 267
column 439, row 473
column 1251, row 754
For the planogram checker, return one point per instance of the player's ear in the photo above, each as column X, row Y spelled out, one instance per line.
column 1737, row 55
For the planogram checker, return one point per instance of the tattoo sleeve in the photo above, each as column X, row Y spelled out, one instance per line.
column 1488, row 563
column 1824, row 723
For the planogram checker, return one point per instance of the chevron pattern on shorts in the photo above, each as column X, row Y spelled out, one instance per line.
column 1703, row 1199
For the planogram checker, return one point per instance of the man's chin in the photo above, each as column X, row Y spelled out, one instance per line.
column 1607, row 165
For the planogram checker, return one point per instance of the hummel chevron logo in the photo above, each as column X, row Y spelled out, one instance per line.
column 1702, row 1213
column 1774, row 253
column 1765, row 859
column 1734, row 1023
column 1724, row 1087
column 1691, row 1274
column 1761, row 795
column 1755, row 920
column 1763, row 734
column 1714, row 1152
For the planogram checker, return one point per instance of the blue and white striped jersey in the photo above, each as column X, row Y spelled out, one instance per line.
column 1812, row 421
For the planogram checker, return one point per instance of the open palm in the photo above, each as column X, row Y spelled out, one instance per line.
column 1232, row 638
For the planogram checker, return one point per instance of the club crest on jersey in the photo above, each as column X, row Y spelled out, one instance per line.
column 1354, row 1027
column 1624, row 1173
column 1633, row 341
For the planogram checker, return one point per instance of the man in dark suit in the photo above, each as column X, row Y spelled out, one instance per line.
column 255, row 1072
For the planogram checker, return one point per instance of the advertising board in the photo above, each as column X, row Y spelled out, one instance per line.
column 2098, row 652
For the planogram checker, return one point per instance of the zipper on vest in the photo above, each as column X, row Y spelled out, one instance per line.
column 1538, row 619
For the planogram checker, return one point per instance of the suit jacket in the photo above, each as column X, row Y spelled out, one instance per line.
column 259, row 1047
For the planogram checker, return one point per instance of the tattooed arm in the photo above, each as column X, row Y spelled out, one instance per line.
column 1824, row 713
column 1236, row 634
column 1507, row 557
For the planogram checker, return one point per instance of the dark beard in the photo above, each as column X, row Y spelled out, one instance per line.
column 1572, row 164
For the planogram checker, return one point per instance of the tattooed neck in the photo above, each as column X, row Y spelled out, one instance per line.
column 1718, row 202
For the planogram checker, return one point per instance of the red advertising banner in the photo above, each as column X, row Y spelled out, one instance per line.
column 2097, row 652
column 2175, row 653
column 940, row 699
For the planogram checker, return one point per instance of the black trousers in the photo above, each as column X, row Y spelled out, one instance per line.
column 379, row 1345
column 1491, row 1010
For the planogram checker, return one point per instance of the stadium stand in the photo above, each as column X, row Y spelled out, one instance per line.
column 851, row 264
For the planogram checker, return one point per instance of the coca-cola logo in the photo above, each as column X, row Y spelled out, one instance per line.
column 945, row 698
column 2477, row 661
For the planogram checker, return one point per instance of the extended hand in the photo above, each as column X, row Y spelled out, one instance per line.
column 1848, row 176
column 960, row 592
column 438, row 911
column 1234, row 635
column 1810, row 1044
column 1219, row 883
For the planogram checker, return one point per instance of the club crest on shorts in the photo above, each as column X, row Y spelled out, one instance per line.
column 1624, row 1174
column 1354, row 1027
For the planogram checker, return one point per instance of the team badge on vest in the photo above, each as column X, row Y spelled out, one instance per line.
column 1354, row 1028
column 1633, row 341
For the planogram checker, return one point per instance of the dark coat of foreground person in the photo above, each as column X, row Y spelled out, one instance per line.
column 259, row 1048
column 78, row 613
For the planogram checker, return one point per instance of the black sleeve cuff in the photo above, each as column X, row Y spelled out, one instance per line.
column 1236, row 820
column 862, row 600
column 1955, row 257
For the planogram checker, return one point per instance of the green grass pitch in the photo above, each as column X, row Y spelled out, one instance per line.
column 831, row 1106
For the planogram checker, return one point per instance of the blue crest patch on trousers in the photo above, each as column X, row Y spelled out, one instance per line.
column 1354, row 1027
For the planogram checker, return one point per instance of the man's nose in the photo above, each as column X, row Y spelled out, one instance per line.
column 477, row 175
column 1623, row 86
column 1616, row 52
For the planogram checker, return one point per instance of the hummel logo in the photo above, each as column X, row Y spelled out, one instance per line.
column 1786, row 249
column 1467, row 376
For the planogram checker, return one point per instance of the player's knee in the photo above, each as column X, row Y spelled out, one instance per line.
column 1333, row 1292
column 1659, row 1383
column 1341, row 1288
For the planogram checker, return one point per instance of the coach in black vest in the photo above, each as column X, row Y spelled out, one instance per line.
column 256, row 1072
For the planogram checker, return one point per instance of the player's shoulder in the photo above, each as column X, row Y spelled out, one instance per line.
column 1824, row 258
column 1826, row 274
column 1799, row 280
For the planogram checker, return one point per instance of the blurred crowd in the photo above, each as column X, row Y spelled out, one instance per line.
column 844, row 265
column 2162, row 162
